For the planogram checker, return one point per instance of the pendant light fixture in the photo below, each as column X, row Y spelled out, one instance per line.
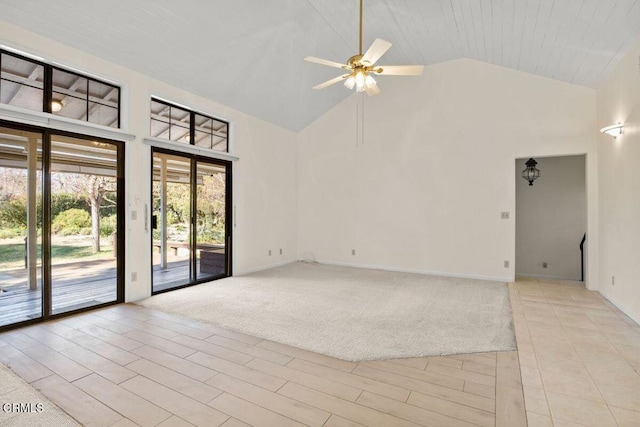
column 531, row 173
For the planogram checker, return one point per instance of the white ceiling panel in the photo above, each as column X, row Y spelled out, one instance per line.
column 248, row 54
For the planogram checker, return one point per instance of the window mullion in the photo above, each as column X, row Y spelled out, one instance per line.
column 47, row 83
column 192, row 128
column 88, row 80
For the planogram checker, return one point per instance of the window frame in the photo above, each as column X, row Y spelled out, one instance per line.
column 48, row 88
column 192, row 125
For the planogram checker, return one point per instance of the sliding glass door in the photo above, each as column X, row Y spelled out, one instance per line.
column 20, row 226
column 211, row 221
column 191, row 233
column 61, row 223
column 84, row 211
column 171, row 221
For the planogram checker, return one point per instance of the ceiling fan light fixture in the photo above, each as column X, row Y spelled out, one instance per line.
column 369, row 81
column 350, row 83
column 360, row 66
column 360, row 81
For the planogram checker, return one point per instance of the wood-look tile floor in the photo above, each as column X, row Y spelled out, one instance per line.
column 578, row 359
column 579, row 356
column 127, row 365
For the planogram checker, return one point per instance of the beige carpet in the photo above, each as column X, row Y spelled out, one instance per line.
column 354, row 314
column 36, row 409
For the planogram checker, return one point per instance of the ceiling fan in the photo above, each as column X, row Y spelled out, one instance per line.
column 361, row 67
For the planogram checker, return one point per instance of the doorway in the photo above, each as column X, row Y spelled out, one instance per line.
column 61, row 223
column 191, row 239
column 551, row 219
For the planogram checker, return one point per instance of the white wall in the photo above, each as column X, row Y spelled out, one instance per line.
column 619, row 162
column 426, row 190
column 263, row 179
column 424, row 193
column 551, row 218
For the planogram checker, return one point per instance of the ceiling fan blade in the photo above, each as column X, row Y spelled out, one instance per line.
column 373, row 90
column 331, row 82
column 324, row 62
column 400, row 70
column 376, row 50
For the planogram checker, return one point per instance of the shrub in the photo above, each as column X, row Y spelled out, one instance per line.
column 71, row 221
column 11, row 233
column 108, row 225
column 13, row 212
column 211, row 235
column 61, row 202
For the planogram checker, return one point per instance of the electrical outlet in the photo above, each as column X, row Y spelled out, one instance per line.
column 134, row 215
column 280, row 251
column 613, row 280
column 506, row 264
column 353, row 251
column 269, row 252
column 504, row 215
column 545, row 264
column 134, row 276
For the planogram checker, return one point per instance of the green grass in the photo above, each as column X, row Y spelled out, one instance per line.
column 12, row 254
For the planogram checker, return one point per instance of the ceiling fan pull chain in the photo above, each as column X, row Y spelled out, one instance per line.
column 357, row 122
column 362, row 121
column 359, row 119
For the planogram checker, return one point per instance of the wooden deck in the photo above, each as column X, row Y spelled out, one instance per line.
column 75, row 285
column 78, row 285
column 177, row 274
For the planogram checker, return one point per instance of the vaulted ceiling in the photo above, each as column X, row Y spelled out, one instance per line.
column 248, row 54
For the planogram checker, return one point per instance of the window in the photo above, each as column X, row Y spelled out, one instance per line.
column 178, row 124
column 22, row 82
column 30, row 84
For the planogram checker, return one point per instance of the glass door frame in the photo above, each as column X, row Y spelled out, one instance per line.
column 194, row 159
column 46, row 299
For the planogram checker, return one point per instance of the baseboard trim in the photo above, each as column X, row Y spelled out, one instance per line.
column 612, row 301
column 541, row 276
column 264, row 267
column 416, row 271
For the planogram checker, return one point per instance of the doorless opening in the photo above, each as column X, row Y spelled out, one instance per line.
column 551, row 218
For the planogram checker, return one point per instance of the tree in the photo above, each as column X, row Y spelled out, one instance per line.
column 211, row 208
column 13, row 201
column 13, row 182
column 96, row 190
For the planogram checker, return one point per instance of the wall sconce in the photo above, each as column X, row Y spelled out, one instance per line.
column 531, row 173
column 613, row 130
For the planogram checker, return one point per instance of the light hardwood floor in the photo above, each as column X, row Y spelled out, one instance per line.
column 126, row 365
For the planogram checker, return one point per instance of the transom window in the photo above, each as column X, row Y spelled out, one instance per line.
column 179, row 124
column 38, row 86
